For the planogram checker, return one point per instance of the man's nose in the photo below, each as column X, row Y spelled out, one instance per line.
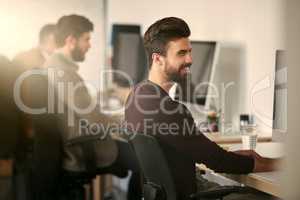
column 189, row 58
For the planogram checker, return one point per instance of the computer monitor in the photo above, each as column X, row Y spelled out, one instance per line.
column 280, row 93
column 197, row 90
column 129, row 59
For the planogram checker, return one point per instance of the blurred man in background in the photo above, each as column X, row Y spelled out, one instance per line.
column 36, row 57
column 73, row 33
column 33, row 59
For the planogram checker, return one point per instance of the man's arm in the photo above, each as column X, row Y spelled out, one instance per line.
column 262, row 164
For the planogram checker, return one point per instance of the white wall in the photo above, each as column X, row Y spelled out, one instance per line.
column 253, row 26
column 291, row 177
column 20, row 22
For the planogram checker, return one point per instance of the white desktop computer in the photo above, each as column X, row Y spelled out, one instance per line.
column 280, row 98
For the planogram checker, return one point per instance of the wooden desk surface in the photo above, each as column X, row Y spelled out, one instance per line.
column 232, row 139
column 269, row 182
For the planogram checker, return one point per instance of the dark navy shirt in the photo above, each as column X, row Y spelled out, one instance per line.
column 150, row 110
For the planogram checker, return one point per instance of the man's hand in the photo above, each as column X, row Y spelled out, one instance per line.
column 249, row 153
column 262, row 164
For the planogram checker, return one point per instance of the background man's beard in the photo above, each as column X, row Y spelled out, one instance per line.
column 77, row 55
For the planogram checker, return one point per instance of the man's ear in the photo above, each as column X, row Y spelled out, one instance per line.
column 157, row 59
column 71, row 42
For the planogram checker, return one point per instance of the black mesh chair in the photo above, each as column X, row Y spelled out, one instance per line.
column 127, row 160
column 48, row 179
column 157, row 178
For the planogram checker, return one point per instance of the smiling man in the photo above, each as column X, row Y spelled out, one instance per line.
column 150, row 110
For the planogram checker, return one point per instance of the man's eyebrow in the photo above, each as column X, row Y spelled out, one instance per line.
column 184, row 50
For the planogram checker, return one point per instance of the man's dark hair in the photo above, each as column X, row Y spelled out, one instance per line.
column 73, row 25
column 161, row 32
column 45, row 31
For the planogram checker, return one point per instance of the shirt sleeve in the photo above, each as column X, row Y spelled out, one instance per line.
column 192, row 143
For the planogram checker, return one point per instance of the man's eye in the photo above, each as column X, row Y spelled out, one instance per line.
column 181, row 53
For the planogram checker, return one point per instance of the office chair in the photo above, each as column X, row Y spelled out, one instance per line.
column 157, row 178
column 125, row 161
column 42, row 170
column 47, row 178
column 128, row 160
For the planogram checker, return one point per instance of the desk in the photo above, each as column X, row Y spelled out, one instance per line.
column 268, row 182
column 231, row 139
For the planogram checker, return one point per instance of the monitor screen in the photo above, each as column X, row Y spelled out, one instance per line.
column 280, row 92
column 129, row 59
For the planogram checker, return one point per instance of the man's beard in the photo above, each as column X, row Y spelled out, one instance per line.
column 77, row 55
column 175, row 76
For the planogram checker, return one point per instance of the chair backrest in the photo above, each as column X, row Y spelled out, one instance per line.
column 153, row 164
column 127, row 155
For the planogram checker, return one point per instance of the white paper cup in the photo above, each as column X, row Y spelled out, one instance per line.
column 249, row 141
